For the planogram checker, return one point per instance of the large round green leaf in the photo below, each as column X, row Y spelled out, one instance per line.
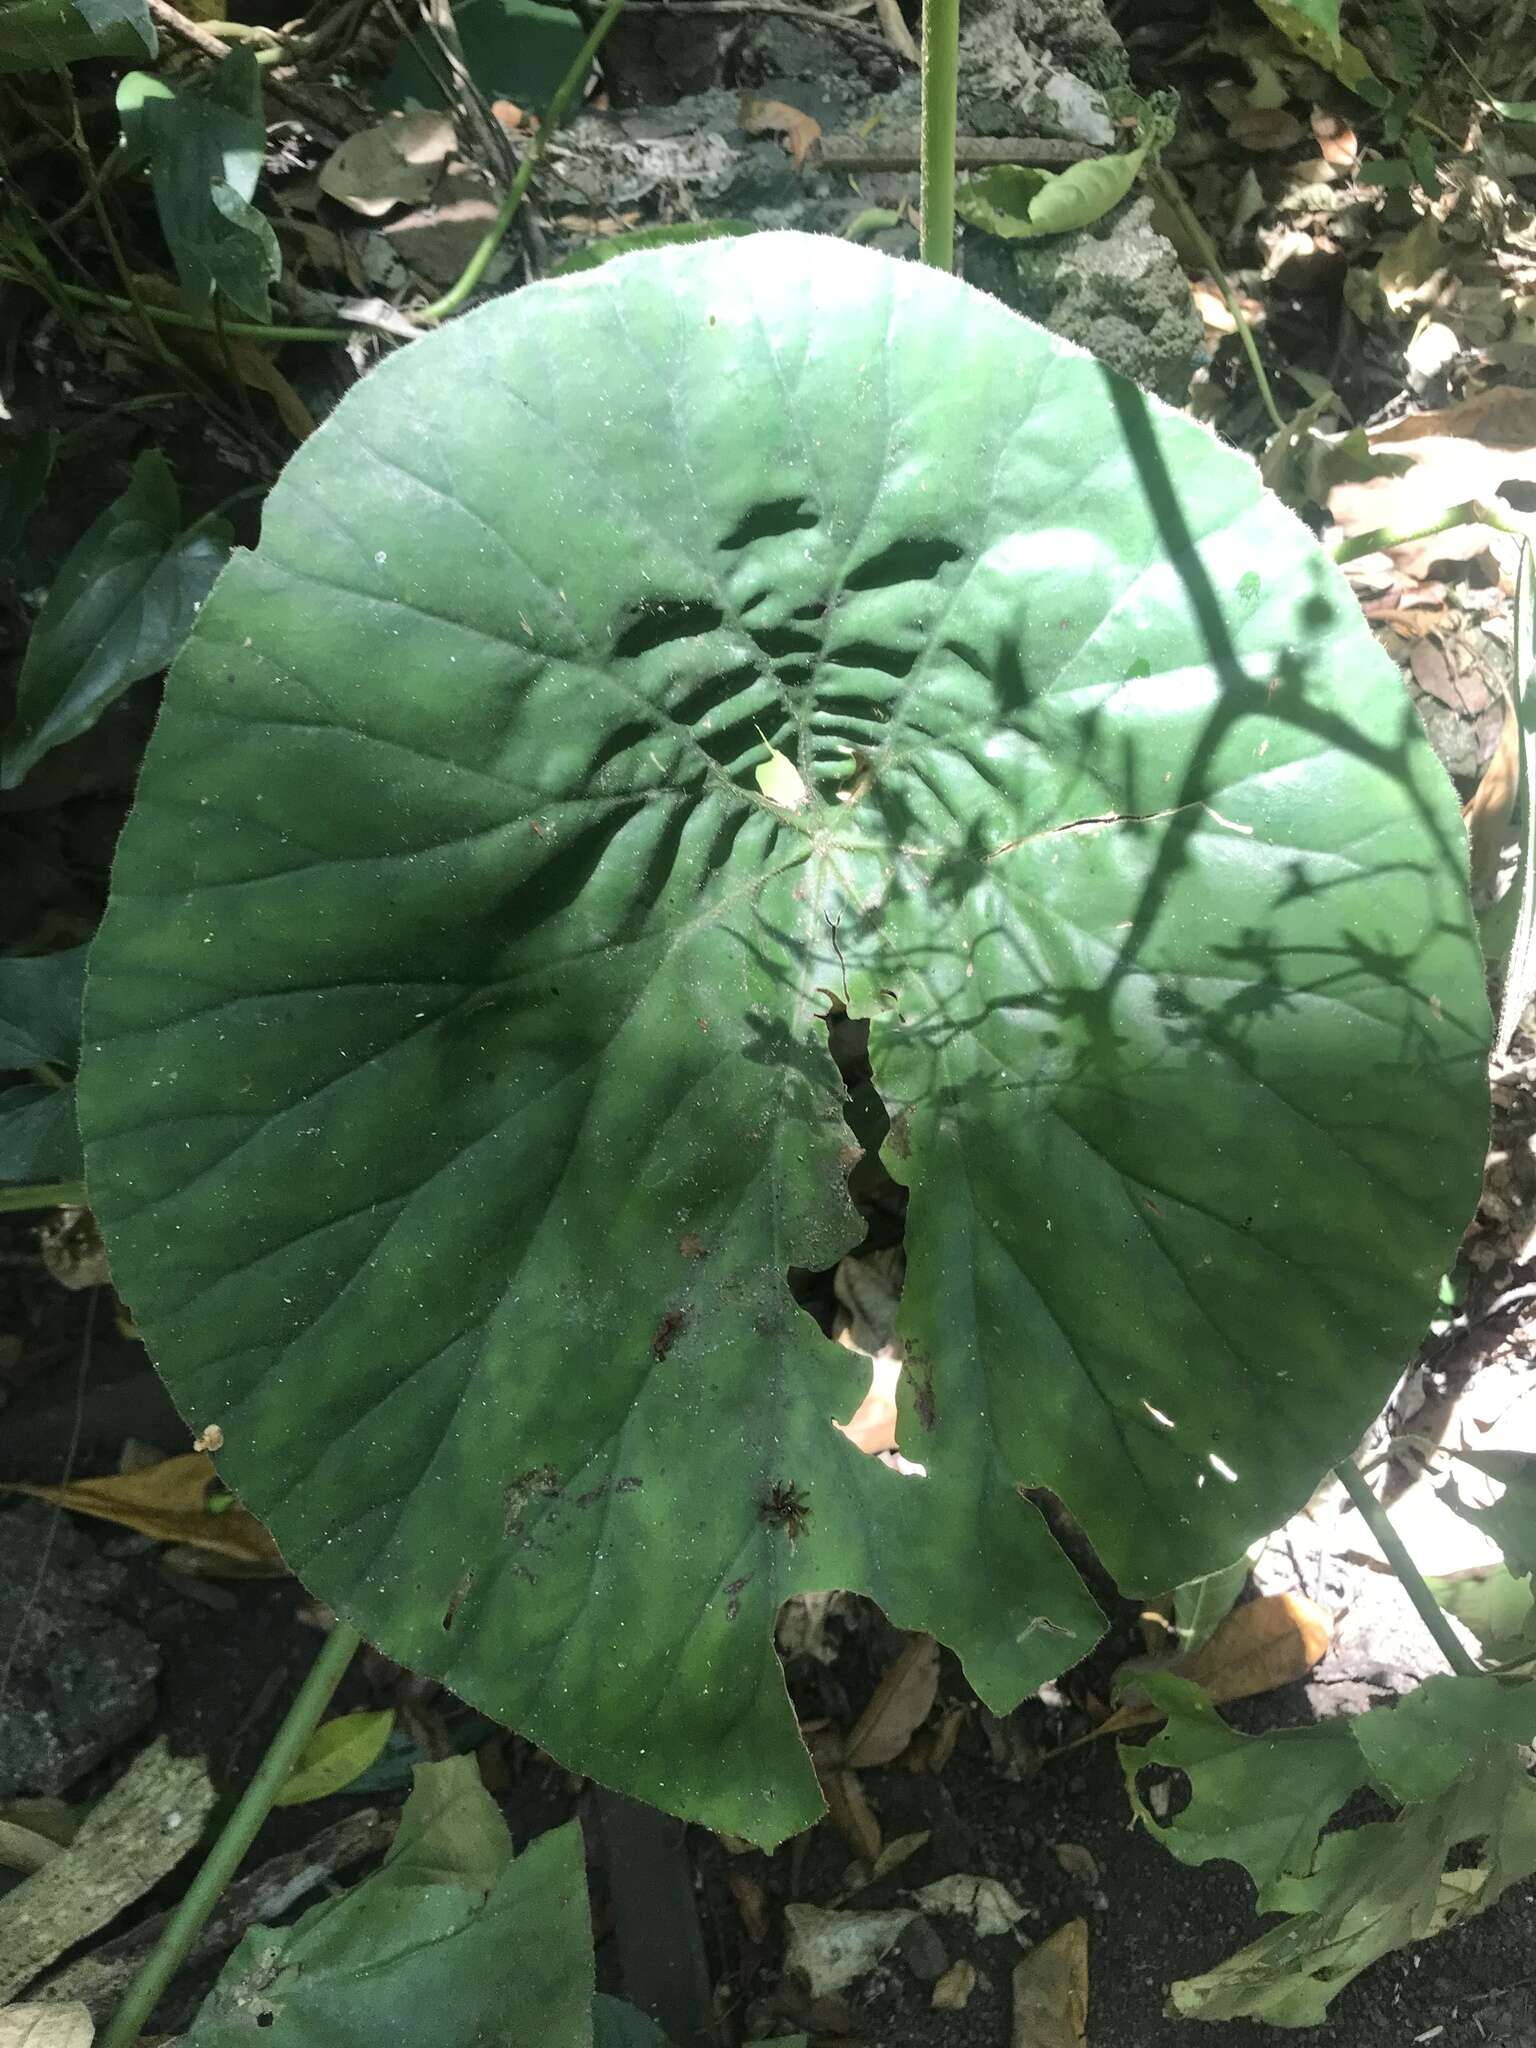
column 457, row 1094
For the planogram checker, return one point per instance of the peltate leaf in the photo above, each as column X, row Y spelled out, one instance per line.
column 37, row 35
column 456, row 1091
column 411, row 1956
column 118, row 610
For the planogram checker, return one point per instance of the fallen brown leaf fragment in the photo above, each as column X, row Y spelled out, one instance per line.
column 1262, row 1644
column 751, row 1904
column 953, row 1990
column 169, row 1502
column 852, row 1814
column 901, row 1702
column 774, row 117
column 394, row 162
column 1488, row 810
column 1050, row 1991
column 1077, row 1861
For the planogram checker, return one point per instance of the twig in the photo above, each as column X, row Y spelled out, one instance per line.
column 223, row 1859
column 171, row 316
column 941, row 71
column 554, row 113
column 108, row 233
column 1471, row 512
column 1395, row 1551
column 729, row 8
column 1167, row 190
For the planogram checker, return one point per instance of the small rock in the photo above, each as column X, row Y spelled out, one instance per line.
column 81, row 1679
column 922, row 1951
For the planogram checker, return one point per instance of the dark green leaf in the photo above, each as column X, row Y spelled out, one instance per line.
column 40, row 1009
column 517, row 50
column 1420, row 1747
column 1514, row 110
column 204, row 147
column 28, row 461
column 1495, row 1605
column 1510, row 1521
column 456, row 1089
column 37, row 35
column 411, row 1954
column 649, row 238
column 1258, row 1800
column 616, row 2024
column 38, row 1138
column 1202, row 1605
column 1520, row 966
column 121, row 606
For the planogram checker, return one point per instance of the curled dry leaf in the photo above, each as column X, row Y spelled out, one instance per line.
column 1489, row 809
column 852, row 1814
column 1262, row 1644
column 774, row 117
column 902, row 1701
column 1050, row 1991
column 396, row 162
column 169, row 1502
column 751, row 1904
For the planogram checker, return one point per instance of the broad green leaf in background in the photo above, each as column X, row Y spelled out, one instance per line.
column 27, row 462
column 1019, row 203
column 1510, row 1521
column 40, row 1001
column 456, row 1091
column 616, row 2024
column 204, row 147
column 1313, row 26
column 1201, row 1605
column 1375, row 1888
column 516, row 50
column 119, row 608
column 340, row 1750
column 1495, row 1605
column 425, row 1949
column 37, row 35
column 1420, row 1747
column 649, row 238
column 40, row 1027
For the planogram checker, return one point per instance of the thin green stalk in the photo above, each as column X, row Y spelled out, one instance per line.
column 554, row 114
column 43, row 1194
column 1376, row 1519
column 171, row 316
column 98, row 204
column 941, row 84
column 1167, row 190
column 1471, row 512
column 186, row 1923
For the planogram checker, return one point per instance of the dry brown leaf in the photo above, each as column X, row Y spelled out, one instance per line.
column 851, row 1813
column 394, row 163
column 953, row 1990
column 1488, row 810
column 894, row 28
column 168, row 1501
column 773, row 117
column 751, row 1904
column 901, row 1702
column 509, row 114
column 1263, row 129
column 257, row 369
column 1409, row 266
column 1336, row 140
column 1050, row 1991
column 1265, row 1643
column 24, row 1849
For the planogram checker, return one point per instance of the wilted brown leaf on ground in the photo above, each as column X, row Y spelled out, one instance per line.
column 1262, row 1644
column 751, row 1904
column 395, row 162
column 1050, row 1991
column 773, row 117
column 1077, row 1861
column 1264, row 129
column 851, row 1813
column 902, row 1701
column 168, row 1501
column 953, row 1990
column 1488, row 810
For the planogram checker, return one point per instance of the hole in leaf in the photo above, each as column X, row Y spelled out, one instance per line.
column 770, row 522
column 908, row 560
column 660, row 624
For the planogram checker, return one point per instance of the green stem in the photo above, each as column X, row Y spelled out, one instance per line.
column 170, row 316
column 941, row 79
column 43, row 1194
column 186, row 1923
column 1167, row 190
column 1471, row 512
column 554, row 114
column 1376, row 1519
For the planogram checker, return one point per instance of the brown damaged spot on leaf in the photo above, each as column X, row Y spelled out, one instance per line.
column 457, row 1598
column 666, row 1333
column 733, row 1594
column 691, row 1245
column 539, row 1482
